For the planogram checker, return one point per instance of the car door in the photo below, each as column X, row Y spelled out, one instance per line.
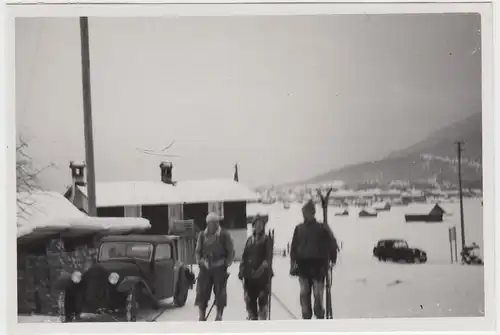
column 389, row 250
column 164, row 271
column 400, row 252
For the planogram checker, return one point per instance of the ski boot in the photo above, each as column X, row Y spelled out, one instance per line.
column 202, row 314
column 218, row 316
column 263, row 313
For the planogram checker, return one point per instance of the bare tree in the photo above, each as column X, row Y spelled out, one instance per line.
column 26, row 177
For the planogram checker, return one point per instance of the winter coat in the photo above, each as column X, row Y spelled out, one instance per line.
column 256, row 260
column 313, row 242
column 216, row 249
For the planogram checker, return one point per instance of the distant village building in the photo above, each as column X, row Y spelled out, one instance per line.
column 365, row 213
column 435, row 215
column 164, row 202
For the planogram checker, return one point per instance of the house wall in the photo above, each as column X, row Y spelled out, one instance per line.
column 235, row 220
column 133, row 211
column 107, row 212
column 38, row 270
column 158, row 218
column 239, row 237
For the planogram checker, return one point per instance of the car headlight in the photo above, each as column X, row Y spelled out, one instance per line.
column 113, row 278
column 76, row 277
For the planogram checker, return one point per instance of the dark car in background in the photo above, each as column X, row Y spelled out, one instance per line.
column 397, row 250
column 132, row 271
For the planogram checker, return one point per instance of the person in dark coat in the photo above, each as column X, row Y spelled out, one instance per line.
column 256, row 271
column 214, row 254
column 312, row 252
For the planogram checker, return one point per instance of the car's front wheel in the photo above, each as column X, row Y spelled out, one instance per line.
column 66, row 314
column 131, row 306
column 181, row 294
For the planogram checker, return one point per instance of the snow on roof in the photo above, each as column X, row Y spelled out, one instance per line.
column 214, row 190
column 48, row 213
column 42, row 209
column 381, row 205
column 131, row 193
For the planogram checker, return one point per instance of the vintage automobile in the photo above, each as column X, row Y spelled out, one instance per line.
column 398, row 251
column 132, row 271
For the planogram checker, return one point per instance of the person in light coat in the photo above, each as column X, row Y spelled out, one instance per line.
column 214, row 254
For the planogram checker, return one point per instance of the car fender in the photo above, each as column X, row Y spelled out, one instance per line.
column 129, row 282
column 64, row 282
column 417, row 252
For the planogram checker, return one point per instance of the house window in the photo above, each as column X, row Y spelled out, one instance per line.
column 216, row 207
column 163, row 252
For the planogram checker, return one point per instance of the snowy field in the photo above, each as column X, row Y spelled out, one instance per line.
column 362, row 286
column 359, row 235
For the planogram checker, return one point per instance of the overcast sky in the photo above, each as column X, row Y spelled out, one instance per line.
column 285, row 97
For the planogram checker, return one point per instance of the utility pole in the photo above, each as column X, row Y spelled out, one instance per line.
column 459, row 156
column 87, row 116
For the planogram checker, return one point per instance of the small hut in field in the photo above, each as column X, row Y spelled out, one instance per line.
column 382, row 207
column 367, row 213
column 434, row 215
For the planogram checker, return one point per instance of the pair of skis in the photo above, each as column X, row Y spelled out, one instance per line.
column 328, row 279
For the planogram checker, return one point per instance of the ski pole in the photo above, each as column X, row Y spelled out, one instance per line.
column 271, row 235
column 213, row 303
column 210, row 310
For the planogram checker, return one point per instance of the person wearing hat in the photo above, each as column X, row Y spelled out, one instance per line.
column 214, row 254
column 256, row 270
column 312, row 250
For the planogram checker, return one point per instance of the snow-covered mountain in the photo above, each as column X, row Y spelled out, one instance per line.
column 433, row 159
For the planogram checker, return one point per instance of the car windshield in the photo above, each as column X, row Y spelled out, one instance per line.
column 120, row 250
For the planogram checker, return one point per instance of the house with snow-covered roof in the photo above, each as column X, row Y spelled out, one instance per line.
column 165, row 201
column 42, row 216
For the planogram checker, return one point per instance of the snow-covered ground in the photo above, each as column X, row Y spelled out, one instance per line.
column 359, row 235
column 362, row 286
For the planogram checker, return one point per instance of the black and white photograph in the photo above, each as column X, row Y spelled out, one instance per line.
column 251, row 168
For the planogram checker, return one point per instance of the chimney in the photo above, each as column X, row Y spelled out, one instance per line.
column 78, row 177
column 166, row 172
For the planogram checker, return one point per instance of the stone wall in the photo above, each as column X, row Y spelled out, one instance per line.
column 38, row 274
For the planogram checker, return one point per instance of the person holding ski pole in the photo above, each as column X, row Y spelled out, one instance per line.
column 256, row 270
column 214, row 254
column 312, row 252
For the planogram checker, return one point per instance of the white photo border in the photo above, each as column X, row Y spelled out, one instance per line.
column 203, row 8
